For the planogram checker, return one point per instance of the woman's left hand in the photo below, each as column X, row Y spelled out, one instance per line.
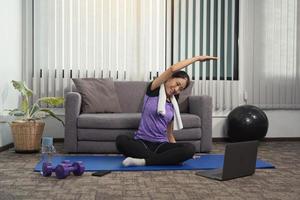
column 206, row 58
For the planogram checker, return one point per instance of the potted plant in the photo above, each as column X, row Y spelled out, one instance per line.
column 28, row 127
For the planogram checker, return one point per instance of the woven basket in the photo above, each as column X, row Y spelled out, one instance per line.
column 27, row 135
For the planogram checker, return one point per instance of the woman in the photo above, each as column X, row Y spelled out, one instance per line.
column 154, row 142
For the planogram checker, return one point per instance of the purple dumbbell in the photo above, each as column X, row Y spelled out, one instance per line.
column 47, row 168
column 67, row 162
column 63, row 170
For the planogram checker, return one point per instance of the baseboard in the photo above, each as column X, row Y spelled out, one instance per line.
column 6, row 147
column 277, row 139
column 280, row 139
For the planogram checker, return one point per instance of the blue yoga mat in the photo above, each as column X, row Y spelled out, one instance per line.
column 114, row 163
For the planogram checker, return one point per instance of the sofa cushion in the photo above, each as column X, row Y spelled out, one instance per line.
column 102, row 134
column 111, row 134
column 98, row 95
column 190, row 120
column 126, row 120
column 188, row 134
column 109, row 120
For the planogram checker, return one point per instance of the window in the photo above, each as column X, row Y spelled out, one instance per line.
column 205, row 27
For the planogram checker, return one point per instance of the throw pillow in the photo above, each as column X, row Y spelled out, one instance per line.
column 98, row 95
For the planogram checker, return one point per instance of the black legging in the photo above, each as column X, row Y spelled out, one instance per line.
column 155, row 153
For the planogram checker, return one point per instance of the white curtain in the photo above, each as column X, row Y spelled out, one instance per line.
column 121, row 39
column 130, row 40
column 269, row 53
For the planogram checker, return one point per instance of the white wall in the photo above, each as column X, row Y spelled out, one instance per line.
column 54, row 128
column 282, row 124
column 10, row 60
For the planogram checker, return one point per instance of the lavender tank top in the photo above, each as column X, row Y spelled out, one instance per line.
column 153, row 126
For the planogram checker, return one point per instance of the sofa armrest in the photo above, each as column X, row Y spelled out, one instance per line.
column 72, row 109
column 202, row 106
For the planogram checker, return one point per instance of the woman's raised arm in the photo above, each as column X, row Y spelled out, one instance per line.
column 176, row 67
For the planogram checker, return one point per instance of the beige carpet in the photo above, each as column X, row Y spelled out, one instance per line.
column 18, row 181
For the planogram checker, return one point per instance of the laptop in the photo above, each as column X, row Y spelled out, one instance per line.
column 239, row 161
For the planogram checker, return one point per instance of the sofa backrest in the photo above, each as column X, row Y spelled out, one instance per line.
column 131, row 95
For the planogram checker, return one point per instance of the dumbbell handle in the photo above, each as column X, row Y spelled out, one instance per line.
column 71, row 168
column 63, row 170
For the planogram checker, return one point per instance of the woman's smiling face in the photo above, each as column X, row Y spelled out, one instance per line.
column 174, row 86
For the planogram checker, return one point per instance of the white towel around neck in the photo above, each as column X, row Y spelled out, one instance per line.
column 161, row 107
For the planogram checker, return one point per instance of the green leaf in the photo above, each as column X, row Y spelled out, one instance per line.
column 53, row 115
column 25, row 106
column 34, row 109
column 16, row 112
column 39, row 115
column 22, row 88
column 54, row 101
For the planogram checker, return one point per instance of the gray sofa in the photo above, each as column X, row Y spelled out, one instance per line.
column 96, row 133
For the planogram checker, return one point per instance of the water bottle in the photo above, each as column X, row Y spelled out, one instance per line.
column 47, row 149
